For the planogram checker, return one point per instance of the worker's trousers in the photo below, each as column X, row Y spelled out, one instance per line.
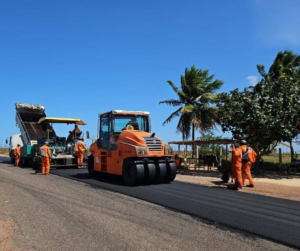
column 237, row 175
column 79, row 157
column 247, row 172
column 17, row 160
column 45, row 165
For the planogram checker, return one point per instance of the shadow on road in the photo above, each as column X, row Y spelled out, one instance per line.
column 102, row 177
column 220, row 183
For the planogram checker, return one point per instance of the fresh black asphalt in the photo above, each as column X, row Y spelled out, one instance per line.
column 274, row 218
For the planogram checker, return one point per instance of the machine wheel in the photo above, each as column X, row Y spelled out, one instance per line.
column 161, row 172
column 150, row 173
column 225, row 177
column 23, row 162
column 133, row 174
column 171, row 172
column 91, row 169
column 37, row 165
column 11, row 155
column 291, row 170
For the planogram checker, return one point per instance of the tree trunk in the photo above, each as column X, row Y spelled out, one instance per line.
column 193, row 138
column 258, row 157
column 292, row 150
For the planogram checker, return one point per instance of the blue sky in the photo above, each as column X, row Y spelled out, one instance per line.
column 79, row 58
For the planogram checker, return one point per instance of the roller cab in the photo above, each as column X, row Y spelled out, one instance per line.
column 127, row 147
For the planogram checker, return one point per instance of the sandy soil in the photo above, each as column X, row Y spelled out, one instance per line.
column 269, row 184
column 7, row 229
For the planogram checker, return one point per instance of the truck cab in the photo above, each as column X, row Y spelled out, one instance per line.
column 14, row 140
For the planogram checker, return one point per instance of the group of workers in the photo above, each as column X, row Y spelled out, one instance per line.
column 45, row 153
column 241, row 167
column 243, row 158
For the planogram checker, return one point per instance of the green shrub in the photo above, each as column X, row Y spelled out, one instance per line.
column 270, row 166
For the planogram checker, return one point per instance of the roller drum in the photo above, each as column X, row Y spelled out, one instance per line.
column 171, row 172
column 150, row 173
column 161, row 172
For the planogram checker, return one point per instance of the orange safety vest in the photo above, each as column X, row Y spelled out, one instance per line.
column 80, row 146
column 45, row 151
column 252, row 155
column 177, row 161
column 236, row 157
column 17, row 151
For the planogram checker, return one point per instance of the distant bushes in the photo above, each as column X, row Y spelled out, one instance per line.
column 4, row 151
column 270, row 166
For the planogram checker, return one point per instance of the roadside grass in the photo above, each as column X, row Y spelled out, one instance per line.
column 274, row 158
column 4, row 151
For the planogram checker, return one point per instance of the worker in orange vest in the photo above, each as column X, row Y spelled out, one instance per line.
column 177, row 160
column 45, row 153
column 236, row 167
column 246, row 167
column 80, row 148
column 17, row 154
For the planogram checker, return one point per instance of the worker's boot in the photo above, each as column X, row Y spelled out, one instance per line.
column 233, row 187
column 250, row 185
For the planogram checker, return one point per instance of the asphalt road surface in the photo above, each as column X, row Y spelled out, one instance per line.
column 54, row 213
column 270, row 217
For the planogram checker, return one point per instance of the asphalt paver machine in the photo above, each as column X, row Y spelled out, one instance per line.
column 36, row 128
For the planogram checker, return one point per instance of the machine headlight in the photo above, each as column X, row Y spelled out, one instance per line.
column 141, row 151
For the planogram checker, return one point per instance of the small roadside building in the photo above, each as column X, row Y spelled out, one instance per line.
column 195, row 143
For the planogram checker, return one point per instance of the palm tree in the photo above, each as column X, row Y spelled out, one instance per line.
column 194, row 100
column 285, row 64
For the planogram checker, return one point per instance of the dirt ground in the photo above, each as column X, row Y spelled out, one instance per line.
column 279, row 185
column 7, row 229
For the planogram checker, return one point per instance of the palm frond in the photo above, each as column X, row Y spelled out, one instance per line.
column 171, row 102
column 175, row 89
column 184, row 126
column 187, row 109
column 173, row 115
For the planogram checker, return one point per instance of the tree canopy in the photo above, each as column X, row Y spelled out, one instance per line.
column 269, row 112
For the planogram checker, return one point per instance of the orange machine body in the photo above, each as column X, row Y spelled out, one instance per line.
column 129, row 144
column 126, row 147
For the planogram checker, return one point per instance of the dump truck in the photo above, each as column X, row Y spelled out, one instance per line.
column 126, row 147
column 14, row 140
column 36, row 128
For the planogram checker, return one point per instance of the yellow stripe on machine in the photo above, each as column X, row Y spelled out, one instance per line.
column 61, row 120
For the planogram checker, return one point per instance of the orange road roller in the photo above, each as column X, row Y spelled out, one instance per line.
column 127, row 147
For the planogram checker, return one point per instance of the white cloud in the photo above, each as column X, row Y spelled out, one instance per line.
column 252, row 80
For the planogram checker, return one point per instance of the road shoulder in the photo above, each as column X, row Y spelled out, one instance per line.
column 279, row 186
